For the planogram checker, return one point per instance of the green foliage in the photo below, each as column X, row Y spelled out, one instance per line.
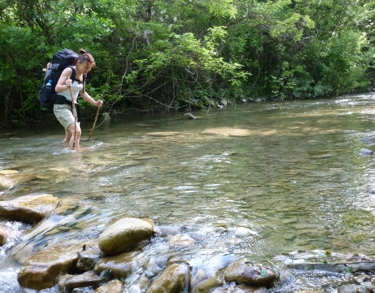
column 183, row 62
column 159, row 55
column 303, row 49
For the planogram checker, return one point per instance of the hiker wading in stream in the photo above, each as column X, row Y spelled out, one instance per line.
column 67, row 90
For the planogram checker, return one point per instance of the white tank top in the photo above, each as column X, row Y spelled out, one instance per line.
column 76, row 87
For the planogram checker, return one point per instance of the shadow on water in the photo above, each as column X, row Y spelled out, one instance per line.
column 276, row 177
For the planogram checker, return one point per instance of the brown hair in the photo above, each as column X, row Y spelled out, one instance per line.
column 84, row 56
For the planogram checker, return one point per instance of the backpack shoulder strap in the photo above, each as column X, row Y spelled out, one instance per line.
column 73, row 76
column 84, row 82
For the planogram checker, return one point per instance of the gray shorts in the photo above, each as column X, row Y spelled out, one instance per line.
column 64, row 114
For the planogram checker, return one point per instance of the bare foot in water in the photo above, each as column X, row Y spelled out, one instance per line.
column 81, row 148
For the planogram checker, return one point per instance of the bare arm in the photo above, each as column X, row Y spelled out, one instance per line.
column 88, row 98
column 64, row 81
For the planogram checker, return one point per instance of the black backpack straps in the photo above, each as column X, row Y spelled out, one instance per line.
column 73, row 76
column 84, row 82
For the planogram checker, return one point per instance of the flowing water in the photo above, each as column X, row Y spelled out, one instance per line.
column 276, row 177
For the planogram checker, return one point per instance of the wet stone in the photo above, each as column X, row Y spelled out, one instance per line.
column 366, row 152
column 154, row 266
column 198, row 277
column 120, row 265
column 88, row 258
column 164, row 231
column 40, row 271
column 233, row 288
column 11, row 179
column 8, row 172
column 125, row 234
column 244, row 272
column 350, row 288
column 206, row 285
column 29, row 208
column 164, row 134
column 87, row 279
column 366, row 139
column 174, row 279
column 227, row 131
column 181, row 240
column 188, row 116
column 3, row 235
column 114, row 286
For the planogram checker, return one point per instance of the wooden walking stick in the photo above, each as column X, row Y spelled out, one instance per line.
column 75, row 116
column 96, row 118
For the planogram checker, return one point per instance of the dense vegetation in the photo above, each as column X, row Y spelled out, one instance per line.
column 160, row 55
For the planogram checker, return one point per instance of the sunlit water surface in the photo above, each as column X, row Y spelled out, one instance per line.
column 294, row 181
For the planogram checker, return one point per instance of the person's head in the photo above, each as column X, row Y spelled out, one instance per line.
column 85, row 61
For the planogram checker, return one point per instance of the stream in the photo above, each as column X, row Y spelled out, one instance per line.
column 278, row 177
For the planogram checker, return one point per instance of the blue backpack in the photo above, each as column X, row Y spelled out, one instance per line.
column 60, row 61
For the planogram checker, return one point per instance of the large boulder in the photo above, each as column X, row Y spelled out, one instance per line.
column 29, row 208
column 244, row 272
column 41, row 270
column 124, row 235
column 175, row 278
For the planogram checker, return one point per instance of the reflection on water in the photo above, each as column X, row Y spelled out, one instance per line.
column 291, row 173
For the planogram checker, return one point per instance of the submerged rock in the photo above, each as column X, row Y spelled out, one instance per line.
column 242, row 231
column 175, row 278
column 227, row 131
column 164, row 231
column 155, row 265
column 120, row 265
column 11, row 179
column 199, row 276
column 164, row 133
column 87, row 279
column 210, row 269
column 366, row 139
column 88, row 258
column 114, row 286
column 29, row 208
column 366, row 152
column 347, row 267
column 188, row 116
column 125, row 234
column 233, row 288
column 41, row 270
column 206, row 285
column 244, row 272
column 350, row 288
column 181, row 240
column 8, row 172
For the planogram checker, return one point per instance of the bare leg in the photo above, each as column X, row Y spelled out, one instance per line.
column 74, row 140
column 67, row 137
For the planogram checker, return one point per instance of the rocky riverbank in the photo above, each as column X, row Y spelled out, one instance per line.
column 106, row 263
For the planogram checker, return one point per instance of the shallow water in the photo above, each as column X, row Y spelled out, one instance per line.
column 289, row 177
